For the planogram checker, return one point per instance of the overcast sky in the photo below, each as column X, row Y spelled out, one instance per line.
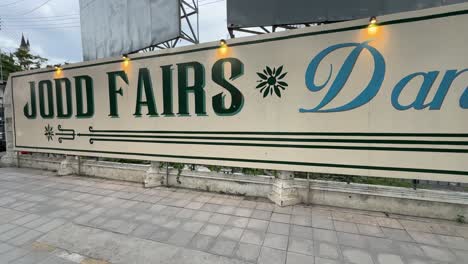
column 52, row 26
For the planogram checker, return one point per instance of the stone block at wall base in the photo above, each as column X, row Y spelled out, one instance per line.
column 284, row 191
column 154, row 176
column 9, row 159
column 66, row 166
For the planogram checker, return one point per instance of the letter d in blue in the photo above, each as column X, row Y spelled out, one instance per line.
column 342, row 77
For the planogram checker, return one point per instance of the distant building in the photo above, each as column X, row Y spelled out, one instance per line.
column 24, row 43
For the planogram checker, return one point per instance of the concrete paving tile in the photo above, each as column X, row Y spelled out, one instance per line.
column 301, row 245
column 185, row 213
column 283, row 209
column 397, row 234
column 51, row 225
column 210, row 207
column 253, row 237
column 5, row 247
column 389, row 222
column 416, row 226
column 319, row 260
column 25, row 219
column 6, row 227
column 425, row 238
column 224, row 247
column 271, row 256
column 12, row 255
column 172, row 223
column 32, row 258
column 144, row 231
column 226, row 209
column 265, row 206
column 276, row 241
column 202, row 242
column 453, row 242
column 382, row 244
column 247, row 252
column 160, row 219
column 357, row 256
column 322, row 222
column 219, row 219
column 248, row 204
column 329, row 236
column 346, row 227
column 181, row 238
column 461, row 255
column 162, row 234
column 194, row 205
column 243, row 212
column 232, row 233
column 211, row 230
column 192, row 226
column 12, row 233
column 302, row 231
column 389, row 259
column 260, row 214
column 26, row 237
column 38, row 222
column 281, row 218
column 302, row 220
column 295, row 258
column 202, row 216
column 439, row 254
column 301, row 210
column 259, row 225
column 237, row 221
column 370, row 230
column 352, row 240
column 327, row 250
column 409, row 249
column 278, row 228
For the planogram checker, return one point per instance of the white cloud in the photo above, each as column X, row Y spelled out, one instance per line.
column 64, row 44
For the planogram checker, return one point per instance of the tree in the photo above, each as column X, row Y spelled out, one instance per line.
column 20, row 60
column 9, row 65
column 28, row 61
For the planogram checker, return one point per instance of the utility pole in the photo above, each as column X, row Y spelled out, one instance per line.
column 1, row 61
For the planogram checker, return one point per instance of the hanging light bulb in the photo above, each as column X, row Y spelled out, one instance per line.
column 372, row 28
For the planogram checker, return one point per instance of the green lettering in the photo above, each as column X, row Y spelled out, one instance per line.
column 167, row 89
column 237, row 99
column 29, row 110
column 144, row 84
column 59, row 96
column 80, row 112
column 46, row 86
column 113, row 91
column 197, row 88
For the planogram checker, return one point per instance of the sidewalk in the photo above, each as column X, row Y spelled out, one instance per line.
column 45, row 219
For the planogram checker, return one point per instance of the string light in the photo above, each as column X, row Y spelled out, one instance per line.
column 372, row 28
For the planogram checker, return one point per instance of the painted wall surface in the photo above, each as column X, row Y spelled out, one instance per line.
column 389, row 101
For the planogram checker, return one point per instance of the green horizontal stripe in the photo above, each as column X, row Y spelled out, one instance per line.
column 285, row 145
column 324, row 140
column 345, row 134
column 296, row 163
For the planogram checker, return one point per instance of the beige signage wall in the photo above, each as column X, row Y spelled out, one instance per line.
column 388, row 100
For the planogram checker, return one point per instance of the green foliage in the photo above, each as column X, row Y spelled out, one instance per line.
column 358, row 179
column 250, row 171
column 27, row 61
column 214, row 168
column 461, row 219
column 8, row 65
column 20, row 60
